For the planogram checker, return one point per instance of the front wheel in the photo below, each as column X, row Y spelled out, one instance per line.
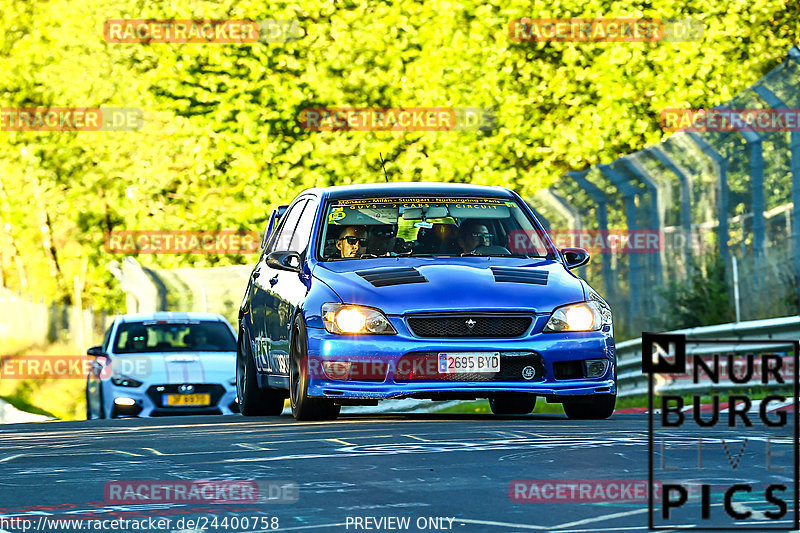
column 594, row 407
column 303, row 407
column 512, row 404
column 252, row 400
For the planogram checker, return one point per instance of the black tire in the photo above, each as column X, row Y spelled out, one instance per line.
column 88, row 410
column 253, row 401
column 512, row 404
column 102, row 413
column 596, row 407
column 303, row 407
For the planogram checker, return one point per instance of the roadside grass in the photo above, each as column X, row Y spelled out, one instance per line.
column 482, row 406
column 706, row 398
column 57, row 398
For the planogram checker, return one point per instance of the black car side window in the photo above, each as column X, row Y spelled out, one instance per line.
column 303, row 232
column 283, row 235
column 107, row 338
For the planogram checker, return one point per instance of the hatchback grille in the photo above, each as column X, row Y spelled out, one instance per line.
column 520, row 275
column 459, row 326
column 381, row 277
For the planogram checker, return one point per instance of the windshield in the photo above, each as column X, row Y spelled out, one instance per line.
column 365, row 228
column 169, row 336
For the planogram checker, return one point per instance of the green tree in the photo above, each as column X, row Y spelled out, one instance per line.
column 703, row 299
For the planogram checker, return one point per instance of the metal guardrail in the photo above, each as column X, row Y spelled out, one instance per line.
column 631, row 381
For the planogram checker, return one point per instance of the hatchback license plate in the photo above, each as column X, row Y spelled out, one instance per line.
column 469, row 362
column 172, row 400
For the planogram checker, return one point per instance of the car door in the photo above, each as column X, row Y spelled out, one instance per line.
column 264, row 302
column 93, row 390
column 292, row 287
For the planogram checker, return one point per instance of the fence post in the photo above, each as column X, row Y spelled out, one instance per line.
column 686, row 198
column 629, row 193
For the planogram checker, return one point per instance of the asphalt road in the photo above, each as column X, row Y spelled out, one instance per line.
column 441, row 472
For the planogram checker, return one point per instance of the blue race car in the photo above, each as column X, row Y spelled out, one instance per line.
column 414, row 290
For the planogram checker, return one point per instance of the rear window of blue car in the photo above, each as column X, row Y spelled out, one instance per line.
column 171, row 336
column 364, row 228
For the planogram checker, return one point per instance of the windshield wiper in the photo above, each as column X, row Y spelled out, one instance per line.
column 387, row 254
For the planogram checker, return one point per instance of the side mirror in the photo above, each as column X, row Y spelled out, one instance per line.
column 284, row 261
column 94, row 351
column 575, row 257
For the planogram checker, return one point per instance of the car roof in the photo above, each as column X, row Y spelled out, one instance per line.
column 404, row 188
column 169, row 315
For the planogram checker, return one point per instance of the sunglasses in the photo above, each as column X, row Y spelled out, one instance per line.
column 352, row 241
column 483, row 235
column 388, row 232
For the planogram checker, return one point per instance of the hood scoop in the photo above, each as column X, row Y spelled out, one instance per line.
column 520, row 275
column 382, row 277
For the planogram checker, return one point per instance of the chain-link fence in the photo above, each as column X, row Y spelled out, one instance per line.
column 714, row 190
column 27, row 322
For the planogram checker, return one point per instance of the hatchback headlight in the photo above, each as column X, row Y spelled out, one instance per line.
column 584, row 316
column 124, row 381
column 346, row 319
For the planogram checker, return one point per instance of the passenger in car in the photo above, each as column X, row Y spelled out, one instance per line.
column 198, row 340
column 473, row 234
column 137, row 339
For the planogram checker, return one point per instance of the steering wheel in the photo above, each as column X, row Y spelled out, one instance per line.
column 491, row 250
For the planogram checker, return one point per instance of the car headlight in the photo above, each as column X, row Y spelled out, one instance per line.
column 124, row 381
column 584, row 316
column 346, row 319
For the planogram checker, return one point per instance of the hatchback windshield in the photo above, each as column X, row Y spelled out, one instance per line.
column 169, row 336
column 366, row 228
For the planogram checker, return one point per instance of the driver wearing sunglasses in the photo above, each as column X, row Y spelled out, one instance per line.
column 352, row 241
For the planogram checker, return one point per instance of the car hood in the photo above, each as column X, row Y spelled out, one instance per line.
column 453, row 284
column 176, row 367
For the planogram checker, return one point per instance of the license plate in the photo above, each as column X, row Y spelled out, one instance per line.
column 186, row 399
column 469, row 362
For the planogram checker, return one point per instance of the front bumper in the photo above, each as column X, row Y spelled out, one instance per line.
column 147, row 404
column 553, row 348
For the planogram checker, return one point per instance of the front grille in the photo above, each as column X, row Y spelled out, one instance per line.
column 459, row 326
column 424, row 367
column 216, row 392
